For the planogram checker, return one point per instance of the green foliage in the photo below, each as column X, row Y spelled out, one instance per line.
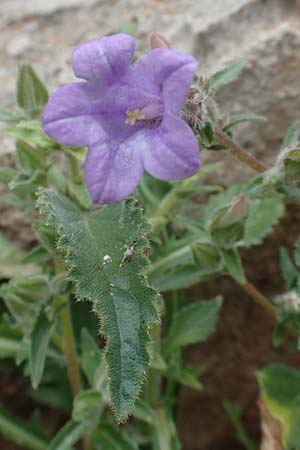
column 280, row 388
column 192, row 323
column 234, row 412
column 264, row 214
column 32, row 95
column 22, row 435
column 292, row 136
column 112, row 281
column 234, row 265
column 109, row 437
column 241, row 118
column 39, row 340
column 226, row 76
column 68, row 435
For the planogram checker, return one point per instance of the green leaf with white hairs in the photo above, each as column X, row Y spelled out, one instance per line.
column 104, row 253
column 264, row 214
column 292, row 136
column 226, row 76
column 192, row 323
column 242, row 118
column 32, row 95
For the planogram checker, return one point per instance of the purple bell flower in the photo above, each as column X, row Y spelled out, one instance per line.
column 127, row 114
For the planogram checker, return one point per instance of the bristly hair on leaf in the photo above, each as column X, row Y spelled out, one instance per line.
column 104, row 251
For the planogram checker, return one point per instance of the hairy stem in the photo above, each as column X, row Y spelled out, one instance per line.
column 69, row 349
column 239, row 152
column 259, row 298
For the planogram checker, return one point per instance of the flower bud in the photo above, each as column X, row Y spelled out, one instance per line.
column 158, row 41
column 228, row 223
column 206, row 256
column 289, row 166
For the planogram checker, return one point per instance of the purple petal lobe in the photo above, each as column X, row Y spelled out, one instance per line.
column 173, row 152
column 112, row 171
column 73, row 115
column 169, row 71
column 101, row 59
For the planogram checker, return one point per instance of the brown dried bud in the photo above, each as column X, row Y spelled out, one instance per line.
column 158, row 41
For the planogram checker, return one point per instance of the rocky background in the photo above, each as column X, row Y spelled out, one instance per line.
column 267, row 34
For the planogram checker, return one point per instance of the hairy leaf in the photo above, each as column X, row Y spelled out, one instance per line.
column 32, row 95
column 104, row 252
column 192, row 323
column 241, row 118
column 226, row 76
column 264, row 215
column 292, row 136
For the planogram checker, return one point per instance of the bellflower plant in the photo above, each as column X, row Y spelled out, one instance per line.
column 131, row 261
column 127, row 114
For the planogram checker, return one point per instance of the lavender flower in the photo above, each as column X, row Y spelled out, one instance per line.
column 128, row 115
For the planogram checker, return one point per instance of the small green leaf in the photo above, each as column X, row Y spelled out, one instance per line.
column 28, row 157
column 292, row 136
column 192, row 323
column 288, row 269
column 32, row 95
column 226, row 76
column 68, row 435
column 235, row 415
column 22, row 435
column 39, row 340
column 280, row 388
column 94, row 245
column 264, row 215
column 241, row 118
column 37, row 255
column 165, row 435
column 9, row 117
column 109, row 437
column 234, row 265
column 188, row 378
column 91, row 356
column 144, row 412
column 87, row 408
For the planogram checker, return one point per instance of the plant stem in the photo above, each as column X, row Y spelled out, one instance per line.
column 75, row 171
column 69, row 349
column 153, row 385
column 239, row 152
column 259, row 298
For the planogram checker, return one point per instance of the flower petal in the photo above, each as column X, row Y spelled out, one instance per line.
column 173, row 152
column 103, row 59
column 170, row 71
column 112, row 171
column 73, row 115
